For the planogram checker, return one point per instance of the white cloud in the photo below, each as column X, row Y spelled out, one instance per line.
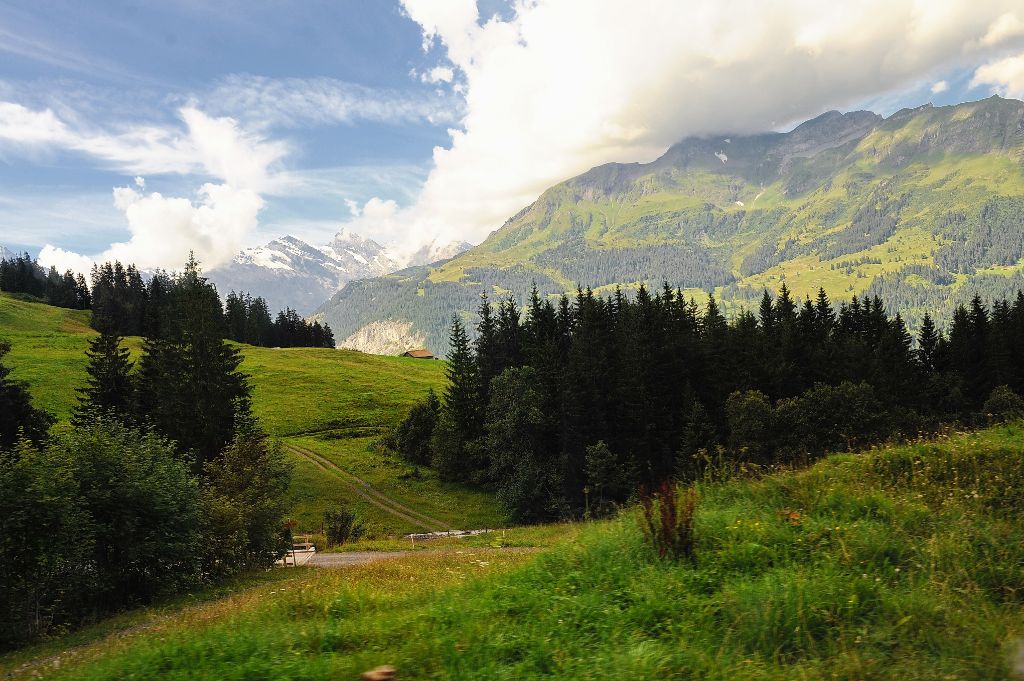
column 27, row 127
column 438, row 74
column 292, row 102
column 63, row 260
column 1006, row 27
column 564, row 85
column 164, row 229
column 1004, row 76
column 213, row 146
column 939, row 87
column 380, row 219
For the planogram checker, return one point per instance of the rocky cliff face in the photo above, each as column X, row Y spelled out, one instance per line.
column 385, row 337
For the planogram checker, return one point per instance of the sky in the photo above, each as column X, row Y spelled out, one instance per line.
column 141, row 130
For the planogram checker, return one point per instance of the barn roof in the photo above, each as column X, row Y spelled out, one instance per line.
column 420, row 353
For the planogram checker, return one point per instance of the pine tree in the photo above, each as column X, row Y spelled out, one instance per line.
column 462, row 396
column 927, row 343
column 190, row 388
column 109, row 385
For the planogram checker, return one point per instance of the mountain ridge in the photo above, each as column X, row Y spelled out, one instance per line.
column 921, row 207
column 289, row 272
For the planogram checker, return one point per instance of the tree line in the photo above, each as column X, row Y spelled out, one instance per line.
column 124, row 302
column 571, row 406
column 22, row 274
column 248, row 321
column 166, row 481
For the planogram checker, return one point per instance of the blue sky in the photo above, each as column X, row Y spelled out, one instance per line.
column 125, row 63
column 139, row 129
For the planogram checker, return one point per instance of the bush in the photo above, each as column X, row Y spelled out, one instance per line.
column 18, row 418
column 342, row 526
column 830, row 418
column 1003, row 404
column 101, row 518
column 412, row 437
column 244, row 500
column 749, row 415
column 667, row 520
column 606, row 478
column 46, row 545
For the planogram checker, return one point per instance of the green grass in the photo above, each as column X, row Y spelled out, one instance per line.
column 904, row 563
column 335, row 401
column 455, row 506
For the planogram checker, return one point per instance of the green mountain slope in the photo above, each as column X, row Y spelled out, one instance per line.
column 923, row 208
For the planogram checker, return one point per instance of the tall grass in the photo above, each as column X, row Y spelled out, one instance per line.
column 899, row 563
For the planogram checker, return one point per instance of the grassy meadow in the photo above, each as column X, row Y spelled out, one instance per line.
column 336, row 402
column 902, row 562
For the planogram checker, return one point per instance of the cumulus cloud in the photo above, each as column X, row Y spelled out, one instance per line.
column 51, row 256
column 1004, row 76
column 164, row 229
column 381, row 219
column 213, row 223
column 1006, row 27
column 563, row 85
column 939, row 87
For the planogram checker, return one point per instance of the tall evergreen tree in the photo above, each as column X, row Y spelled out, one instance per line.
column 190, row 388
column 109, row 385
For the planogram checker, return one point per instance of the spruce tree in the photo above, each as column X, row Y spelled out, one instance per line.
column 190, row 388
column 109, row 386
column 927, row 343
column 462, row 396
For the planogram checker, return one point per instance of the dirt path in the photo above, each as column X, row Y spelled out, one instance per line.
column 349, row 558
column 367, row 492
column 336, row 560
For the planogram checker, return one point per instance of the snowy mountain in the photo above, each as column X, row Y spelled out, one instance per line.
column 6, row 254
column 289, row 272
column 433, row 252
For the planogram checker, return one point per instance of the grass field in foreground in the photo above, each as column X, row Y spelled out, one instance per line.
column 902, row 563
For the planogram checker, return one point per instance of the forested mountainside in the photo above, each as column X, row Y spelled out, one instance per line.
column 924, row 208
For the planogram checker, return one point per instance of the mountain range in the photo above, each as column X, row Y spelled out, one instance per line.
column 923, row 208
column 288, row 272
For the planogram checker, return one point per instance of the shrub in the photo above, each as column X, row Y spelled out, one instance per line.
column 244, row 500
column 667, row 520
column 606, row 478
column 830, row 418
column 1003, row 404
column 342, row 526
column 749, row 415
column 412, row 436
column 101, row 518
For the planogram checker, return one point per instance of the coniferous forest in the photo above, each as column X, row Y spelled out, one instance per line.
column 568, row 408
